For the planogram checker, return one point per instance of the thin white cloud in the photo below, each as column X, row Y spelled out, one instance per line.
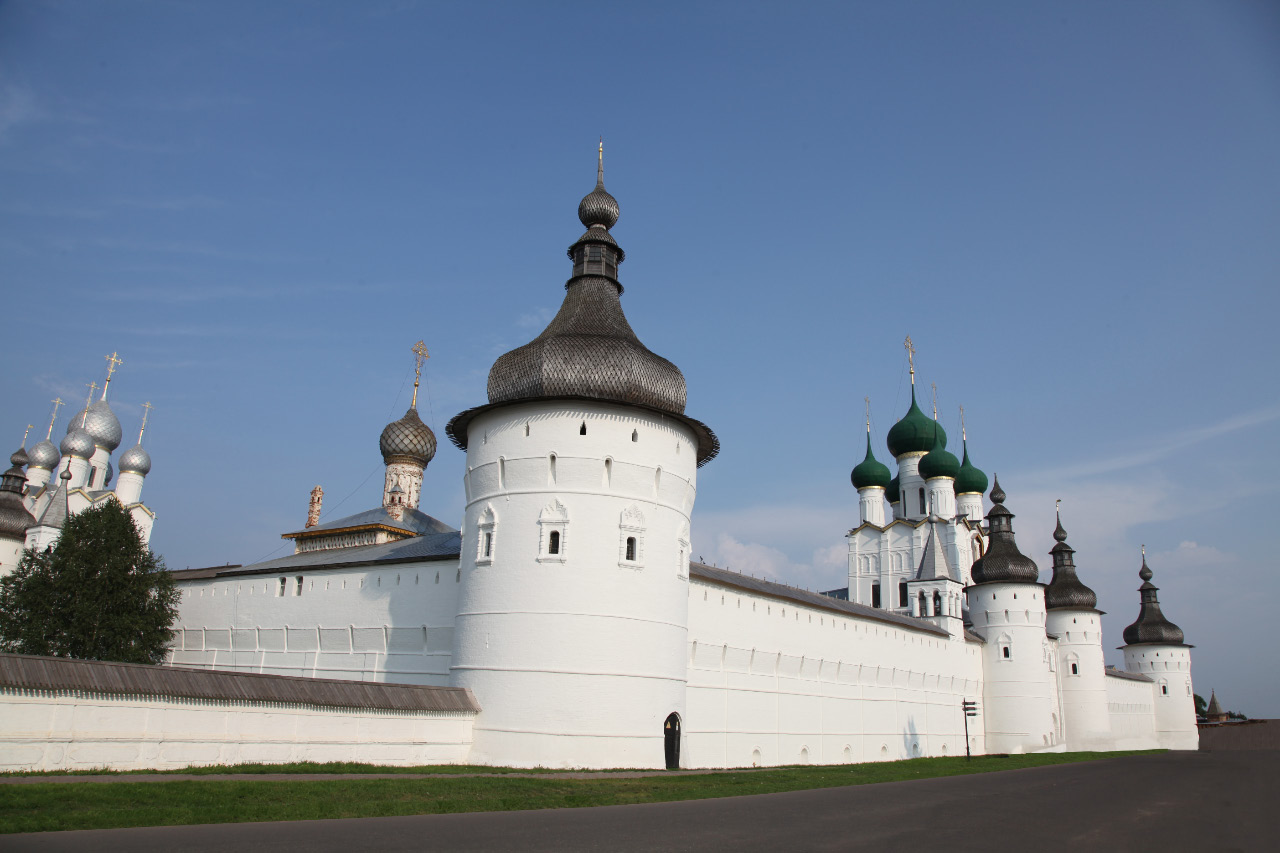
column 1166, row 446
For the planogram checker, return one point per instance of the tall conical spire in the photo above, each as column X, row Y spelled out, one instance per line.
column 1003, row 562
column 1066, row 590
column 1151, row 625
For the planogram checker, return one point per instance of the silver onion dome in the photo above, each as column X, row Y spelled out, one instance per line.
column 101, row 423
column 407, row 439
column 77, row 443
column 43, row 454
column 598, row 207
column 135, row 460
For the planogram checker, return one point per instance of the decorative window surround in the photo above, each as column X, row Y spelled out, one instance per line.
column 553, row 519
column 631, row 526
column 486, row 538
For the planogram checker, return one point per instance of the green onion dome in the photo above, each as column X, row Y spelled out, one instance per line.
column 970, row 480
column 870, row 471
column 938, row 462
column 914, row 433
column 893, row 493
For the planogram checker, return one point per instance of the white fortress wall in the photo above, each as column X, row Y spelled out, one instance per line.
column 774, row 682
column 1129, row 704
column 44, row 730
column 390, row 622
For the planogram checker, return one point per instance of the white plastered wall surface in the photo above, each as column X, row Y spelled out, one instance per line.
column 72, row 730
column 383, row 623
column 775, row 682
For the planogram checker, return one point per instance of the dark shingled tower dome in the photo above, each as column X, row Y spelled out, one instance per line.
column 1003, row 562
column 589, row 350
column 1065, row 590
column 14, row 516
column 1151, row 626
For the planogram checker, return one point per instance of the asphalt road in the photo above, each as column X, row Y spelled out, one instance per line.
column 1203, row 801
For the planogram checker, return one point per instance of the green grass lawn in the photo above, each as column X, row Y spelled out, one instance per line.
column 38, row 807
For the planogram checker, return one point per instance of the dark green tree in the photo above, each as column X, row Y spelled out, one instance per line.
column 1202, row 707
column 99, row 594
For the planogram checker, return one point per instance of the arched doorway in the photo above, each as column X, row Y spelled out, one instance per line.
column 671, row 741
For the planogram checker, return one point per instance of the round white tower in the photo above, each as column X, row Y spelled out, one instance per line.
column 1007, row 607
column 581, row 475
column 1077, row 622
column 1154, row 647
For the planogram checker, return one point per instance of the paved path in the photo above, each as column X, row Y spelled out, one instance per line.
column 1170, row 802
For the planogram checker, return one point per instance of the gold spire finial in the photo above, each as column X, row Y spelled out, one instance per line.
column 1144, row 553
column 57, row 404
column 963, row 437
column 113, row 361
column 867, row 400
column 420, row 355
column 147, row 407
column 1057, row 506
column 934, row 385
column 600, row 164
column 27, row 433
column 911, row 359
column 92, row 386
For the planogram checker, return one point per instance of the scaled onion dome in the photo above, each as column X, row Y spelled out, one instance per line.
column 77, row 443
column 408, row 440
column 914, row 433
column 43, row 454
column 1003, row 562
column 893, row 494
column 101, row 423
column 970, row 480
column 19, row 459
column 938, row 462
column 135, row 460
column 1151, row 626
column 1066, row 590
column 589, row 350
column 14, row 516
column 870, row 471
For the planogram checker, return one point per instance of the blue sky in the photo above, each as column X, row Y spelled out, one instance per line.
column 1072, row 208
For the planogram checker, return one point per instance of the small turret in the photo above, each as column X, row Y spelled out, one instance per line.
column 1151, row 626
column 1066, row 590
column 1003, row 562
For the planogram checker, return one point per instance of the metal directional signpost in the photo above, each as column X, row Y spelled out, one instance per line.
column 970, row 710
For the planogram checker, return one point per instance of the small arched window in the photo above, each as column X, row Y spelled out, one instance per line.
column 1004, row 652
column 923, row 510
column 937, row 603
column 631, row 548
column 902, row 594
column 553, row 544
column 582, row 430
column 635, row 435
column 1075, row 669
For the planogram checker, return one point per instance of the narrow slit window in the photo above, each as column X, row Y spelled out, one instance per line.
column 1004, row 651
column 297, row 589
column 284, row 582
column 582, row 430
column 923, row 511
column 488, row 544
column 1075, row 669
column 631, row 548
column 875, row 595
column 635, row 435
column 553, row 543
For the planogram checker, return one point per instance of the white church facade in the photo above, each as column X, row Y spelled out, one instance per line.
column 566, row 612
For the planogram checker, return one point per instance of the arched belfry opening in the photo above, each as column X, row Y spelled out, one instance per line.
column 671, row 740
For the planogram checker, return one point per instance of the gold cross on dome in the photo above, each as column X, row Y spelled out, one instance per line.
column 963, row 437
column 113, row 361
column 27, row 433
column 57, row 404
column 934, row 385
column 867, row 401
column 146, row 413
column 92, row 386
column 420, row 355
column 911, row 358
